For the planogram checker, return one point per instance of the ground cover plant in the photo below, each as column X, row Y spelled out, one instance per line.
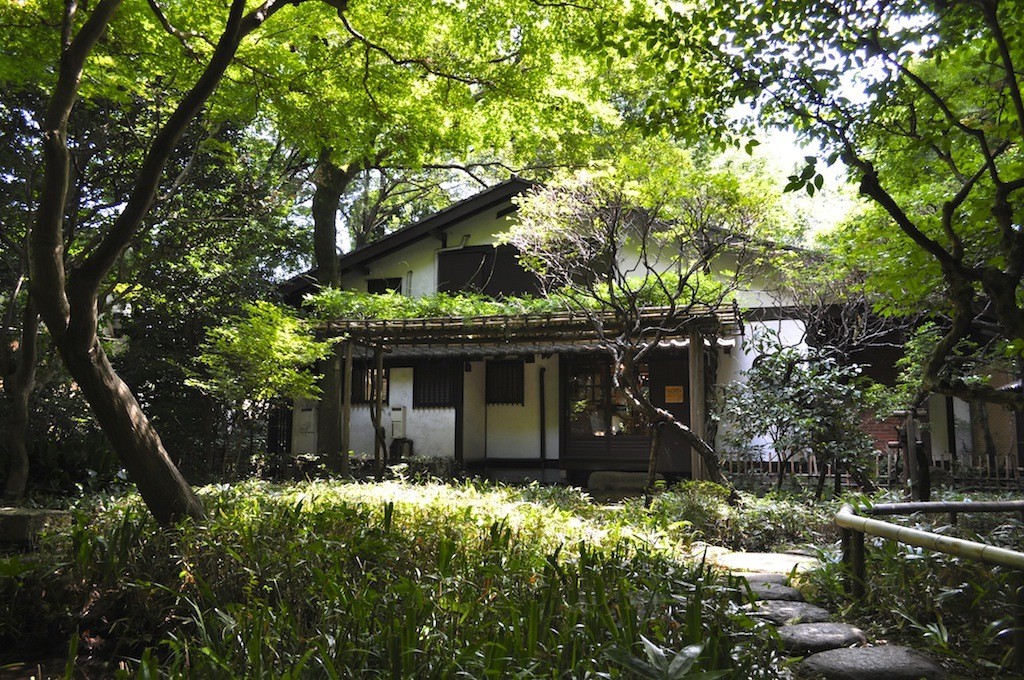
column 394, row 579
column 955, row 608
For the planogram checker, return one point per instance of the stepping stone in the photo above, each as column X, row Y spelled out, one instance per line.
column 808, row 638
column 22, row 526
column 780, row 579
column 767, row 562
column 775, row 591
column 887, row 662
column 782, row 613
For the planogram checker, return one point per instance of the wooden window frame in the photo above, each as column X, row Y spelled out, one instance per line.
column 505, row 382
column 433, row 384
column 362, row 384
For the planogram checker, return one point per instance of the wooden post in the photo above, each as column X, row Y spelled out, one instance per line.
column 859, row 569
column 1017, row 592
column 378, row 408
column 852, row 543
column 346, row 412
column 844, row 541
column 698, row 406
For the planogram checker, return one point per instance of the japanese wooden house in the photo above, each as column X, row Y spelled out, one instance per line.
column 526, row 396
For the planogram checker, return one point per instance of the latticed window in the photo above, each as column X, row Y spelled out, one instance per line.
column 505, row 382
column 362, row 384
column 433, row 384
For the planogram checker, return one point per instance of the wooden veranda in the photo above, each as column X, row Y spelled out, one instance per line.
column 548, row 332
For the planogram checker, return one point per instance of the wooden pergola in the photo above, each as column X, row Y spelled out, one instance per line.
column 566, row 331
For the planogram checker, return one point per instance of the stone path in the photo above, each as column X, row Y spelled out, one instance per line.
column 830, row 650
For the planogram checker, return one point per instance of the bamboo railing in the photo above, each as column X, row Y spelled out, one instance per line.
column 854, row 527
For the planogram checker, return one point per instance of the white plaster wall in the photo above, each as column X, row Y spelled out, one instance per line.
column 964, row 433
column 432, row 430
column 416, row 264
column 552, row 380
column 759, row 290
column 304, row 426
column 361, row 433
column 741, row 357
column 513, row 431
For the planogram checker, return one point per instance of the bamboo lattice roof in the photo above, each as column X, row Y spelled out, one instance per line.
column 528, row 333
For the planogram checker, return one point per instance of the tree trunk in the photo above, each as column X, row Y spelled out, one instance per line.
column 712, row 466
column 986, row 437
column 331, row 182
column 67, row 301
column 819, row 488
column 652, row 460
column 916, row 463
column 346, row 413
column 133, row 437
column 782, row 470
column 18, row 387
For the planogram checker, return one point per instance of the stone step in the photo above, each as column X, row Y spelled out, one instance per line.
column 835, row 650
column 21, row 526
column 780, row 563
column 885, row 662
column 781, row 612
column 801, row 639
column 780, row 579
column 775, row 591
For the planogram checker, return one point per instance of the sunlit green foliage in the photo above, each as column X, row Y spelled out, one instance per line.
column 331, row 303
column 924, row 103
column 382, row 580
column 264, row 354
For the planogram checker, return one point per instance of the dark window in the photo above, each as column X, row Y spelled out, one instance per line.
column 493, row 271
column 433, row 384
column 279, row 430
column 505, row 382
column 378, row 286
column 362, row 384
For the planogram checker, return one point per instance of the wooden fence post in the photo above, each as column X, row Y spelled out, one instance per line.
column 1017, row 583
column 844, row 541
column 859, row 568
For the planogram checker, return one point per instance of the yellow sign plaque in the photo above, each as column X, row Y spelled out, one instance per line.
column 674, row 394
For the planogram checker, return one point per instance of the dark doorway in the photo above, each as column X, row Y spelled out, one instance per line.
column 604, row 431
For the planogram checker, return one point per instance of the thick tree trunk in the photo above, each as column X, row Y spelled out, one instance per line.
column 18, row 387
column 68, row 302
column 133, row 437
column 331, row 182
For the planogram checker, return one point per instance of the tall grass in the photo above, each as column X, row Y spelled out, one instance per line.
column 391, row 580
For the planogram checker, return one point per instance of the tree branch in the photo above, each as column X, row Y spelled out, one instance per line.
column 182, row 36
column 989, row 11
column 421, row 62
column 47, row 251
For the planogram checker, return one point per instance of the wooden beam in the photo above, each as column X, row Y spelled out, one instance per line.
column 378, row 409
column 346, row 411
column 698, row 402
